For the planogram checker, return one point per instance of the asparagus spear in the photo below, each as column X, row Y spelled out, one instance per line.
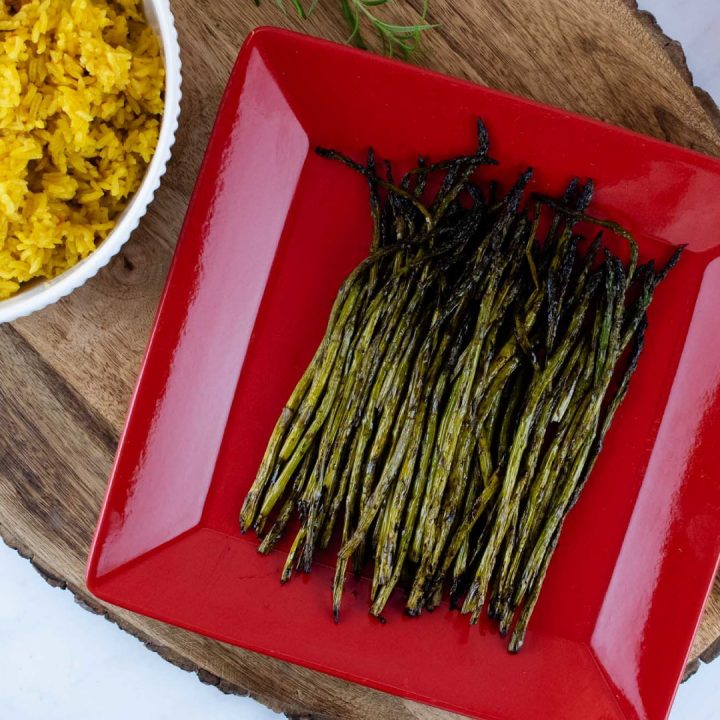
column 457, row 403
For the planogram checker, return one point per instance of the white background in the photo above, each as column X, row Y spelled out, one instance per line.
column 58, row 661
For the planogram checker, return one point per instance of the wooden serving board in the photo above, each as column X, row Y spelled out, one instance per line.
column 67, row 372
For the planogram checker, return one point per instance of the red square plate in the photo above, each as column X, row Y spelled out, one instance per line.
column 271, row 231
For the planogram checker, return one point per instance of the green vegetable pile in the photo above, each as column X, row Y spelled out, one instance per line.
column 451, row 416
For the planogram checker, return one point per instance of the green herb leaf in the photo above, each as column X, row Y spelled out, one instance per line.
column 394, row 37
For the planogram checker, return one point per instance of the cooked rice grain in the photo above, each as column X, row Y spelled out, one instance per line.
column 81, row 98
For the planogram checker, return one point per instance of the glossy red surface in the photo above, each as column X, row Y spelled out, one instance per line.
column 270, row 233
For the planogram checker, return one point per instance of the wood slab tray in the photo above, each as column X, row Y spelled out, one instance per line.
column 68, row 371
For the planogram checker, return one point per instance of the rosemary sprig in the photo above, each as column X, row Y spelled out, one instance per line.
column 396, row 39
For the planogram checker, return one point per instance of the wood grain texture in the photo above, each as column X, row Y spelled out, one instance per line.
column 67, row 372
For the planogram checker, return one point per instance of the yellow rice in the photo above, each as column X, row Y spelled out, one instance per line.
column 81, row 97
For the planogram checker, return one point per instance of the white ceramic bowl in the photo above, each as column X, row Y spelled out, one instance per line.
column 38, row 295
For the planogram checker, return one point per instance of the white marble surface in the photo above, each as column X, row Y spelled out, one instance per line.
column 696, row 25
column 58, row 661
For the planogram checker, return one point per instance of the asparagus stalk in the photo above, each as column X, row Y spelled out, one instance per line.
column 470, row 370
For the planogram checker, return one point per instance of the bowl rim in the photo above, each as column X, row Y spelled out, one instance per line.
column 47, row 292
